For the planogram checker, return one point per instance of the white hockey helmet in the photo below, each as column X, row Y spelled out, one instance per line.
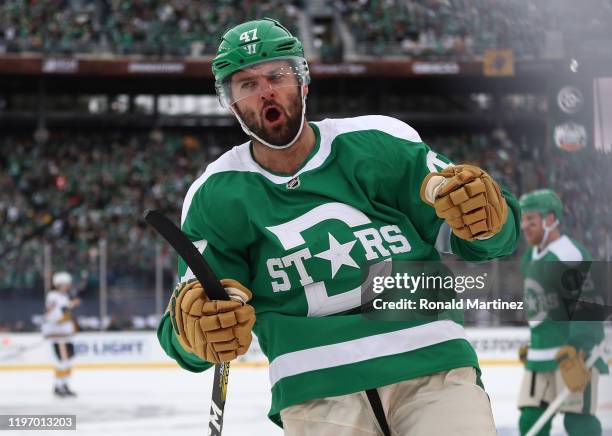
column 61, row 278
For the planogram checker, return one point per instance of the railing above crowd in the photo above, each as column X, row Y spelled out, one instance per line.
column 425, row 29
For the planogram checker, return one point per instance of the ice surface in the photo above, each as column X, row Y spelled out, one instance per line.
column 156, row 402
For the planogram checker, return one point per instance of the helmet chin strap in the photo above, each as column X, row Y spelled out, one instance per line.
column 267, row 144
column 547, row 231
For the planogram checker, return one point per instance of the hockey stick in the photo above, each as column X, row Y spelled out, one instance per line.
column 194, row 260
column 598, row 351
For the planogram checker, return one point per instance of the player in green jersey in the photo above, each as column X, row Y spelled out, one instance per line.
column 292, row 215
column 555, row 357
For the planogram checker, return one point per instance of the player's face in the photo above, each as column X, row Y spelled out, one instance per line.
column 531, row 225
column 268, row 101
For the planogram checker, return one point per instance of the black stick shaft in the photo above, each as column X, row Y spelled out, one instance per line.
column 194, row 260
column 190, row 254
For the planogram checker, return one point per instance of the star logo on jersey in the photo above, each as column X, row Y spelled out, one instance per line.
column 372, row 242
column 338, row 254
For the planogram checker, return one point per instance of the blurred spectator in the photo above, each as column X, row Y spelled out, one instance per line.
column 587, row 201
column 77, row 189
column 147, row 27
column 80, row 188
column 462, row 29
column 427, row 29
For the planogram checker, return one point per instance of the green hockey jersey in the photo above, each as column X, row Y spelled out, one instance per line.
column 548, row 302
column 298, row 242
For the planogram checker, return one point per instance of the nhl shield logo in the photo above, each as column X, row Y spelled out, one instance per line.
column 293, row 183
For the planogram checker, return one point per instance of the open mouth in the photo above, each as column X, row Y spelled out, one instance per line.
column 272, row 114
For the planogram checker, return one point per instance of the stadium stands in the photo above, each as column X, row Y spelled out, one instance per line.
column 427, row 29
column 123, row 27
column 444, row 29
column 79, row 188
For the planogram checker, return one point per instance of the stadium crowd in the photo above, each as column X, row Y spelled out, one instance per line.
column 444, row 28
column 79, row 188
column 458, row 29
column 147, row 27
column 438, row 29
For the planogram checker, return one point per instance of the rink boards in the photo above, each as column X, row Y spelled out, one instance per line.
column 116, row 350
column 131, row 388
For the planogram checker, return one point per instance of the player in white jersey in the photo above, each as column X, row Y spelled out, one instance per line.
column 59, row 327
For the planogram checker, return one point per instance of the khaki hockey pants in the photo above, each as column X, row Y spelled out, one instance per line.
column 444, row 403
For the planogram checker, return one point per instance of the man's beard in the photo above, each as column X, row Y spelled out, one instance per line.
column 280, row 134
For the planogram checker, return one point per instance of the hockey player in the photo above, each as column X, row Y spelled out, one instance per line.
column 556, row 355
column 290, row 216
column 59, row 327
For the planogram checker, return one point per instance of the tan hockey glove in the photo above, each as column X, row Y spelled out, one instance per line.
column 522, row 353
column 216, row 331
column 468, row 199
column 573, row 370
